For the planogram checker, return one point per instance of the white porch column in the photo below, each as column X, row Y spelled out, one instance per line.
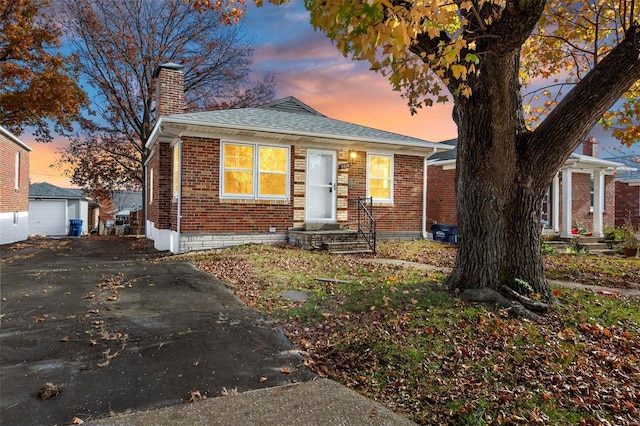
column 566, row 203
column 555, row 203
column 598, row 203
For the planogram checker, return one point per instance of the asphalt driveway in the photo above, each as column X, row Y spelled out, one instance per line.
column 116, row 330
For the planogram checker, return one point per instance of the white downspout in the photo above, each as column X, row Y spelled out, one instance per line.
column 179, row 213
column 424, row 201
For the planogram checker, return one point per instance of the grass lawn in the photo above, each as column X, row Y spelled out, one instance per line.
column 397, row 336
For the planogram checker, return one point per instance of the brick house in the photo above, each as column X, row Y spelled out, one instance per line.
column 582, row 192
column 628, row 191
column 251, row 175
column 14, row 188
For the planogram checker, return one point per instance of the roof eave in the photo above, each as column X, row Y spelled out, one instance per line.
column 166, row 122
column 14, row 138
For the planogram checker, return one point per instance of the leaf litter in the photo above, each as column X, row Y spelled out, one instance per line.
column 398, row 337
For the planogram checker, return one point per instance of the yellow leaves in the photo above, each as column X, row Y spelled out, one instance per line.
column 433, row 31
column 459, row 71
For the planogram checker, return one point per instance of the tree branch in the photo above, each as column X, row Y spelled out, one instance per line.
column 572, row 119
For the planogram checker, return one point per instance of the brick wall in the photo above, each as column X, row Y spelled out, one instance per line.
column 627, row 204
column 581, row 199
column 609, row 217
column 202, row 209
column 441, row 196
column 159, row 205
column 13, row 200
column 169, row 90
column 405, row 213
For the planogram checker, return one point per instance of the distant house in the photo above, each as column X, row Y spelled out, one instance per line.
column 122, row 209
column 51, row 208
column 220, row 178
column 628, row 191
column 14, row 188
column 582, row 192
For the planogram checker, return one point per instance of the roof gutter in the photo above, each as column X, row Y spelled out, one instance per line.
column 14, row 138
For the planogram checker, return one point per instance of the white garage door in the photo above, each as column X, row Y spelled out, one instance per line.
column 48, row 217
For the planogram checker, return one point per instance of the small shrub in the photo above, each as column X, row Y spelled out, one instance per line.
column 576, row 248
column 521, row 286
column 548, row 249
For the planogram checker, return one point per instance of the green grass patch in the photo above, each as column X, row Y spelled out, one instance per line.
column 396, row 335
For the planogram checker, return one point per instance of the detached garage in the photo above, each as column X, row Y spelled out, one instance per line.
column 51, row 208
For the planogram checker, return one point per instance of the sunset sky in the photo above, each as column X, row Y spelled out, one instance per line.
column 310, row 68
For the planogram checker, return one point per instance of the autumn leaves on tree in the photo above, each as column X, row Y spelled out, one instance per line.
column 39, row 86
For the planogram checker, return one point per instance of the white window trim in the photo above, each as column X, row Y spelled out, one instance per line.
column 256, row 173
column 17, row 172
column 391, row 179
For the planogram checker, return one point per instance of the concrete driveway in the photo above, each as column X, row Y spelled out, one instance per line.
column 115, row 330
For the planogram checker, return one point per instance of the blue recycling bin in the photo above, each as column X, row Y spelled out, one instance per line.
column 445, row 233
column 452, row 236
column 75, row 228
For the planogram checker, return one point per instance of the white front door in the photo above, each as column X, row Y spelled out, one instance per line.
column 321, row 186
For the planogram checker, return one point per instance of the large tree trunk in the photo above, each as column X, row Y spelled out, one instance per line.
column 503, row 169
column 499, row 193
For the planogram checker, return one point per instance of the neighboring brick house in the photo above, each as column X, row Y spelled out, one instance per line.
column 585, row 182
column 221, row 178
column 628, row 191
column 14, row 188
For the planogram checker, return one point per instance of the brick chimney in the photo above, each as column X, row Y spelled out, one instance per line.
column 169, row 89
column 590, row 147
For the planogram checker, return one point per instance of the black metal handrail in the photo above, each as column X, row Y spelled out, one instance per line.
column 366, row 222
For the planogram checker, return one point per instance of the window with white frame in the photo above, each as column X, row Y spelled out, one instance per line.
column 176, row 171
column 254, row 171
column 17, row 171
column 380, row 177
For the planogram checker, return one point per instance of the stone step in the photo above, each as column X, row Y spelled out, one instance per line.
column 347, row 247
column 351, row 251
column 321, row 226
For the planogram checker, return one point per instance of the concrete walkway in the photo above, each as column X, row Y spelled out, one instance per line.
column 318, row 402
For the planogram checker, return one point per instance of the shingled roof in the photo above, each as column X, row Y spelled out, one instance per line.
column 631, row 162
column 47, row 190
column 289, row 116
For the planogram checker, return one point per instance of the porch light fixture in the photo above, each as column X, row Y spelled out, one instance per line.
column 352, row 156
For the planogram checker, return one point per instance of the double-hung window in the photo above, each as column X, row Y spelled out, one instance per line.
column 255, row 171
column 380, row 177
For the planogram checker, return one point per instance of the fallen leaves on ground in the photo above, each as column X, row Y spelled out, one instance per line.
column 48, row 390
column 607, row 271
column 195, row 396
column 396, row 336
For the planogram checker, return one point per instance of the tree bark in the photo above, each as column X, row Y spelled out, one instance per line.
column 503, row 169
column 497, row 203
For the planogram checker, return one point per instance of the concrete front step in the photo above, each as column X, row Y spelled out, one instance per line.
column 347, row 247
